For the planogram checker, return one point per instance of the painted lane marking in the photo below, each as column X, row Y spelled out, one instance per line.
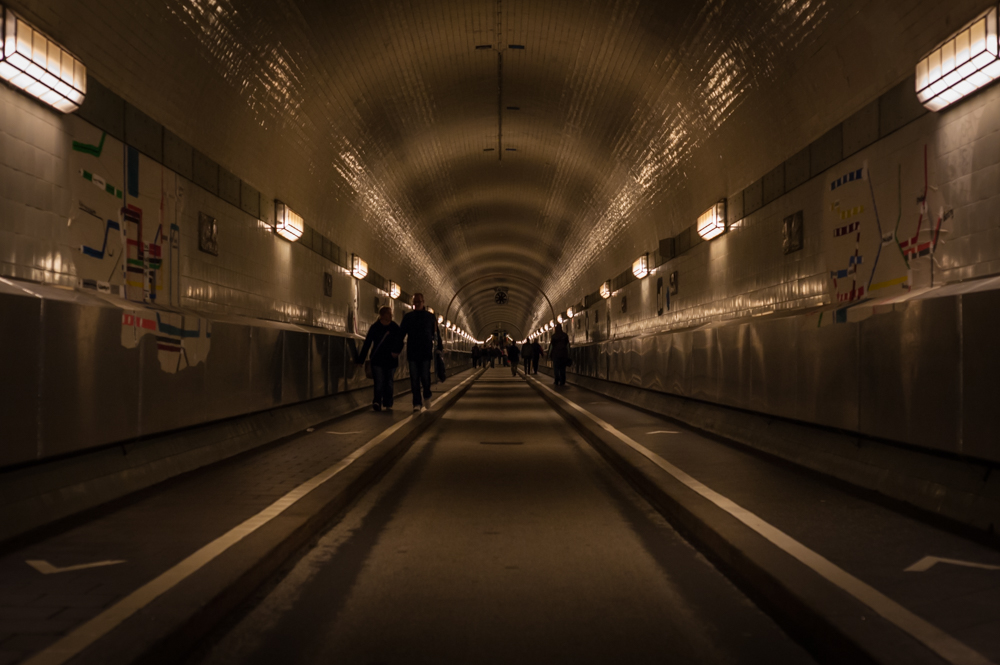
column 923, row 631
column 663, row 431
column 46, row 568
column 928, row 562
column 87, row 633
column 332, row 432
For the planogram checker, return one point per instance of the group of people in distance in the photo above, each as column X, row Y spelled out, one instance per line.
column 528, row 353
column 419, row 331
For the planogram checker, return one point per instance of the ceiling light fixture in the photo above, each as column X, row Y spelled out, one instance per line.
column 287, row 223
column 569, row 313
column 39, row 66
column 962, row 64
column 606, row 289
column 712, row 222
column 393, row 290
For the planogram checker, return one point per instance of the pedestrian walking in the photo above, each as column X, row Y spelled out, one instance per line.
column 476, row 353
column 526, row 352
column 420, row 329
column 536, row 355
column 559, row 353
column 513, row 354
column 385, row 341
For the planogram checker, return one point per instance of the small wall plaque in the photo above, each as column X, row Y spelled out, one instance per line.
column 673, row 283
column 328, row 284
column 791, row 230
column 208, row 234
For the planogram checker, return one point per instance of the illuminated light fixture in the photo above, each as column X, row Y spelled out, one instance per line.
column 606, row 290
column 560, row 318
column 287, row 223
column 440, row 318
column 36, row 64
column 963, row 63
column 393, row 290
column 359, row 268
column 712, row 222
column 569, row 313
column 430, row 309
column 640, row 267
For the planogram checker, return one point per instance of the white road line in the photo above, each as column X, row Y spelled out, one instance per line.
column 331, row 432
column 663, row 431
column 928, row 562
column 86, row 634
column 46, row 568
column 923, row 631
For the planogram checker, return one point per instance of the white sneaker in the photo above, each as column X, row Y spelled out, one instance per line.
column 417, row 408
column 428, row 402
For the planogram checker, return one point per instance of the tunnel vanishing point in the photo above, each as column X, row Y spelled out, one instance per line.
column 705, row 371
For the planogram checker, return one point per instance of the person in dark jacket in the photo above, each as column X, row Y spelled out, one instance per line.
column 493, row 356
column 386, row 341
column 476, row 352
column 526, row 352
column 513, row 354
column 559, row 353
column 535, row 356
column 420, row 329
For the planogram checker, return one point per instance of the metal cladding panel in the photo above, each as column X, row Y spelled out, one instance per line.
column 143, row 133
column 796, row 169
column 20, row 358
column 826, row 151
column 774, row 184
column 704, row 361
column 910, row 382
column 753, row 197
column 294, row 366
column 772, row 349
column 980, row 374
column 170, row 401
column 828, row 375
column 735, row 370
column 229, row 188
column 265, row 362
column 228, row 371
column 647, row 362
column 338, row 361
column 321, row 383
column 90, row 382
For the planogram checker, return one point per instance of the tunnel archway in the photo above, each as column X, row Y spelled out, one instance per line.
column 499, row 276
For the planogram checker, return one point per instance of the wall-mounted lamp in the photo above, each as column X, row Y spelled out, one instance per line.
column 569, row 313
column 440, row 319
column 640, row 267
column 359, row 267
column 606, row 289
column 962, row 64
column 712, row 222
column 560, row 318
column 393, row 290
column 287, row 223
column 36, row 64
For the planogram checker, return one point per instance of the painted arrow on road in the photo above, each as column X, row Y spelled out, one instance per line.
column 46, row 568
column 928, row 562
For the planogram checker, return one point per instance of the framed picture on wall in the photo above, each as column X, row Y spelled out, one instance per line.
column 673, row 283
column 208, row 234
column 791, row 231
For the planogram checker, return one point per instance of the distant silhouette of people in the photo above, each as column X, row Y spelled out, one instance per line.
column 476, row 355
column 421, row 331
column 513, row 354
column 559, row 353
column 385, row 336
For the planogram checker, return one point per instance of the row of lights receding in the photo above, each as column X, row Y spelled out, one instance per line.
column 454, row 328
column 962, row 64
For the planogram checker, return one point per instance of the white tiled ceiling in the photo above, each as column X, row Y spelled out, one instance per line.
column 373, row 118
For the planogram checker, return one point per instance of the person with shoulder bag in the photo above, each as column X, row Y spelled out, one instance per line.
column 385, row 340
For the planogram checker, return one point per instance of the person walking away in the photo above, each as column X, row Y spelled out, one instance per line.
column 420, row 329
column 493, row 357
column 559, row 353
column 475, row 356
column 526, row 352
column 385, row 341
column 536, row 355
column 513, row 353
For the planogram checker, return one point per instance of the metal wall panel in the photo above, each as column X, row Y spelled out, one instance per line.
column 264, row 361
column 827, row 388
column 980, row 365
column 20, row 374
column 229, row 384
column 910, row 381
column 90, row 382
column 320, row 381
column 172, row 401
column 294, row 366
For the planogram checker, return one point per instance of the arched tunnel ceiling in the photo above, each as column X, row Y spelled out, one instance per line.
column 380, row 120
